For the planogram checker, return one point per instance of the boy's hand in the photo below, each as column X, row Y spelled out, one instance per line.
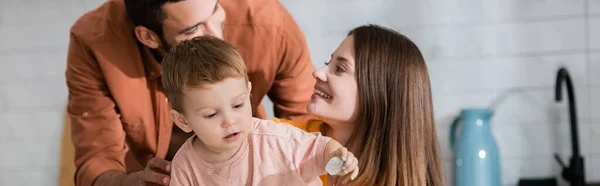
column 350, row 162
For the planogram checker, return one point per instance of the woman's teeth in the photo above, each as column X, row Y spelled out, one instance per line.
column 320, row 93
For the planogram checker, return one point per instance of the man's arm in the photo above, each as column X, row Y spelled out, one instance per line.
column 97, row 132
column 294, row 82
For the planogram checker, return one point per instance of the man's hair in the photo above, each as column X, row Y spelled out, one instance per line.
column 200, row 61
column 147, row 13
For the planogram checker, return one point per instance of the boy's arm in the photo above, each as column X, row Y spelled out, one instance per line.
column 179, row 178
column 311, row 150
column 179, row 172
column 330, row 151
column 307, row 151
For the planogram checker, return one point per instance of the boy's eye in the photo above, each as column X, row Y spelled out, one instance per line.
column 211, row 115
column 238, row 105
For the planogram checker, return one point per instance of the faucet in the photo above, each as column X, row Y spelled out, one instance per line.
column 574, row 173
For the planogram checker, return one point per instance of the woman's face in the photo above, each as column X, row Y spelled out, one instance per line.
column 335, row 96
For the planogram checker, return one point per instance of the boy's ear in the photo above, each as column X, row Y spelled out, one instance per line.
column 180, row 121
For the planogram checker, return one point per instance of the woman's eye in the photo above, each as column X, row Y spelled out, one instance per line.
column 339, row 70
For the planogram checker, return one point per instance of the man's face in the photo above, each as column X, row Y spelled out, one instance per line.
column 191, row 18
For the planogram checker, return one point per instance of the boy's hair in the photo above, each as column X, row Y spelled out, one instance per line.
column 197, row 62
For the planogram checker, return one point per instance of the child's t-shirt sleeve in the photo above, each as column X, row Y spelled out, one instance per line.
column 181, row 168
column 179, row 175
column 304, row 149
column 307, row 152
column 307, row 148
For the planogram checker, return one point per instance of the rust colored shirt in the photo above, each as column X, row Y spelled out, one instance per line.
column 116, row 102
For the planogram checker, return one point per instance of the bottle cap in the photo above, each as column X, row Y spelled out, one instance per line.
column 334, row 166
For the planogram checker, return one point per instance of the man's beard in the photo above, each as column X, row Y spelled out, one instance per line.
column 165, row 44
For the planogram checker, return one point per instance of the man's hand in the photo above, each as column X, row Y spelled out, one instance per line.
column 156, row 173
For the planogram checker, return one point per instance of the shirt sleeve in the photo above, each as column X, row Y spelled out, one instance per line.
column 294, row 82
column 97, row 132
column 307, row 152
column 179, row 172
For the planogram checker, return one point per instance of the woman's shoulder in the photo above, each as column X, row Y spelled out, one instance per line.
column 312, row 125
column 283, row 130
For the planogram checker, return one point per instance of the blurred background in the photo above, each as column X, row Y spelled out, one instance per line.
column 498, row 54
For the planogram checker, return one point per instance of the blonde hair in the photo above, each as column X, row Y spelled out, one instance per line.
column 197, row 62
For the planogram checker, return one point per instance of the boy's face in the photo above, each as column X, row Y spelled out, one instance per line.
column 219, row 114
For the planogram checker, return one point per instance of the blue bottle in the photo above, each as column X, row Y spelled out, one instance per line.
column 476, row 156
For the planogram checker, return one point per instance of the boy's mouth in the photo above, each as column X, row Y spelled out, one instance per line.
column 232, row 136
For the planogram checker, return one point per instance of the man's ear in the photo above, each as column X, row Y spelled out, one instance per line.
column 180, row 121
column 147, row 37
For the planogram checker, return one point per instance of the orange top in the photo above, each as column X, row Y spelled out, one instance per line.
column 308, row 126
column 115, row 91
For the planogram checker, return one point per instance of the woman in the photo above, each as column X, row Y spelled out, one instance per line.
column 374, row 97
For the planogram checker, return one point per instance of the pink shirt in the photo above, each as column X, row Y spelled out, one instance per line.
column 274, row 154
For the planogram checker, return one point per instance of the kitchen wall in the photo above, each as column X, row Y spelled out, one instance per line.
column 479, row 53
column 34, row 37
column 503, row 53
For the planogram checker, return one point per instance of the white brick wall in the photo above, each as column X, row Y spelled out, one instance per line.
column 477, row 52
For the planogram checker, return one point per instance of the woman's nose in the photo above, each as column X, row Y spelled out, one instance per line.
column 320, row 74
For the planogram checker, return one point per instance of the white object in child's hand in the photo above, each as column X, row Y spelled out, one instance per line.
column 334, row 166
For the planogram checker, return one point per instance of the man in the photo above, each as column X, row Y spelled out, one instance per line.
column 116, row 102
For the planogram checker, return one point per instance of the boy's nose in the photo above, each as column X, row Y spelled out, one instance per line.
column 228, row 121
